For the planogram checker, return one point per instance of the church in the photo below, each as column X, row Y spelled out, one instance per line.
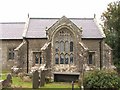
column 63, row 46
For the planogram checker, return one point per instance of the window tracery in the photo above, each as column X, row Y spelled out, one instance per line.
column 64, row 47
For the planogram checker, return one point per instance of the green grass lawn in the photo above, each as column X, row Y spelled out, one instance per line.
column 19, row 83
column 60, row 85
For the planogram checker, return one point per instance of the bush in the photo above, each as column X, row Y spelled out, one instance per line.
column 101, row 79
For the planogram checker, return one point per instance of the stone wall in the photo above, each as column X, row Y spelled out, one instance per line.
column 106, row 52
column 107, row 63
column 94, row 45
column 5, row 46
column 21, row 55
column 35, row 45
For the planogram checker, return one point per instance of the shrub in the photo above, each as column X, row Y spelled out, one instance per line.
column 101, row 79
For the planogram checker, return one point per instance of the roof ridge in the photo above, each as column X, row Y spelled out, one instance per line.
column 12, row 22
column 68, row 18
column 43, row 18
column 83, row 18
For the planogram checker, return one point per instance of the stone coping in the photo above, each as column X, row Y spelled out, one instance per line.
column 67, row 73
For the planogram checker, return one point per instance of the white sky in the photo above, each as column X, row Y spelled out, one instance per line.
column 17, row 10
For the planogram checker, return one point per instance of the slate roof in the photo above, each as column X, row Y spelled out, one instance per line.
column 11, row 30
column 37, row 26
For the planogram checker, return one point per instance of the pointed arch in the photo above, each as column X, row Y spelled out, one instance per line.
column 67, row 46
column 62, row 46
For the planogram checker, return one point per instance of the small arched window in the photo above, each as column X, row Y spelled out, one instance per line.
column 71, row 58
column 56, row 59
column 90, row 58
column 37, row 57
column 71, row 46
column 66, row 59
column 62, row 59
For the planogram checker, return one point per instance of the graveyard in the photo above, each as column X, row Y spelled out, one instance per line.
column 25, row 82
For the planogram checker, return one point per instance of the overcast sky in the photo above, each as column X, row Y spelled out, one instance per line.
column 17, row 10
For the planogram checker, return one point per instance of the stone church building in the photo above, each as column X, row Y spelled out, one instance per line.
column 63, row 46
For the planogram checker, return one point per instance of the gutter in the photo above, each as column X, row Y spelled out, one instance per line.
column 100, row 49
column 27, row 55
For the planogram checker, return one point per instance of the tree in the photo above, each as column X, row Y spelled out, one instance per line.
column 111, row 27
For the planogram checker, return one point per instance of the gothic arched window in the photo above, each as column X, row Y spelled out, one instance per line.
column 62, row 59
column 71, row 46
column 63, row 45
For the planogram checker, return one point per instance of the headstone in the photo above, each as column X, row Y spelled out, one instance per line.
column 72, row 85
column 9, row 77
column 35, row 80
column 42, row 80
column 7, row 82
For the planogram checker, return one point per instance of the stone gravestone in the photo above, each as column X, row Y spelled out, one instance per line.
column 7, row 82
column 35, row 80
column 42, row 79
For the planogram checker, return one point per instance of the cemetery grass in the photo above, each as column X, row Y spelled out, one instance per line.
column 17, row 82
